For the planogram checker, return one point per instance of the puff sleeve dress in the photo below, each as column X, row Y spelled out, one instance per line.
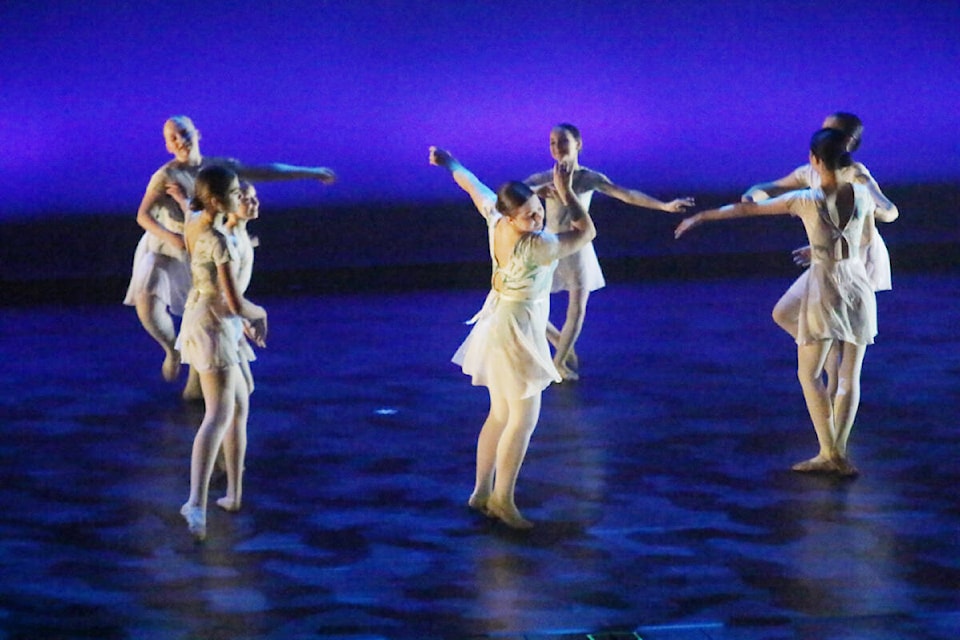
column 837, row 299
column 507, row 349
column 210, row 333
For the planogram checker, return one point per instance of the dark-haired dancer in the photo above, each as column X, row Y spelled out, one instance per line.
column 214, row 321
column 507, row 349
column 837, row 301
column 579, row 273
column 161, row 273
column 875, row 256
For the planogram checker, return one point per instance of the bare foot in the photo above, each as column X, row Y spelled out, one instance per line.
column 196, row 520
column 171, row 366
column 478, row 503
column 819, row 464
column 228, row 504
column 845, row 468
column 508, row 515
column 568, row 375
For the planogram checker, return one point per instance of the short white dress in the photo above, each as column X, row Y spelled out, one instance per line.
column 837, row 299
column 507, row 350
column 159, row 268
column 242, row 273
column 210, row 333
column 875, row 256
column 579, row 271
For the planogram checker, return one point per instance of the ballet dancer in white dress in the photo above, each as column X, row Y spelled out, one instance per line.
column 837, row 300
column 579, row 273
column 875, row 256
column 215, row 317
column 507, row 350
column 161, row 274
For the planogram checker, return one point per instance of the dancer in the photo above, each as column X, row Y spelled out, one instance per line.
column 161, row 274
column 209, row 340
column 875, row 256
column 235, row 230
column 837, row 301
column 579, row 273
column 507, row 349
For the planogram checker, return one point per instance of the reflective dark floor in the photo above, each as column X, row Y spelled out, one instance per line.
column 659, row 484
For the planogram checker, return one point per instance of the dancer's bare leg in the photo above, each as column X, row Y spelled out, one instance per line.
column 156, row 319
column 553, row 337
column 847, row 402
column 572, row 325
column 810, row 358
column 786, row 313
column 831, row 368
column 192, row 390
column 511, row 451
column 219, row 396
column 487, row 451
column 235, row 448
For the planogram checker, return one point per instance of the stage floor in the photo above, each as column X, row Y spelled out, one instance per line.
column 660, row 484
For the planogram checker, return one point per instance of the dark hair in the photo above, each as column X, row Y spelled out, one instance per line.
column 511, row 196
column 212, row 182
column 572, row 130
column 851, row 126
column 830, row 147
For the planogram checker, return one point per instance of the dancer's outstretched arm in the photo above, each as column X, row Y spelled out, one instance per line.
column 764, row 190
column 738, row 210
column 275, row 171
column 637, row 198
column 480, row 193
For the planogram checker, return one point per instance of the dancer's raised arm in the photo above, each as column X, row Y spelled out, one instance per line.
column 480, row 193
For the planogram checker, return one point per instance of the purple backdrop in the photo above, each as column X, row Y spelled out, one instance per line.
column 679, row 96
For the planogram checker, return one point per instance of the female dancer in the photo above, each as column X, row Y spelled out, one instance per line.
column 579, row 273
column 507, row 349
column 213, row 323
column 235, row 230
column 161, row 275
column 875, row 256
column 837, row 301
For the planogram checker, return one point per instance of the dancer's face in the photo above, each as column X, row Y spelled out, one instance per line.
column 528, row 217
column 249, row 208
column 181, row 141
column 563, row 146
column 231, row 202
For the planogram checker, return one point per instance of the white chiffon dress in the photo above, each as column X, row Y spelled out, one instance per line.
column 210, row 334
column 579, row 271
column 507, row 349
column 159, row 268
column 836, row 296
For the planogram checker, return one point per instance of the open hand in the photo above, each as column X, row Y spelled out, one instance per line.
column 686, row 224
column 256, row 331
